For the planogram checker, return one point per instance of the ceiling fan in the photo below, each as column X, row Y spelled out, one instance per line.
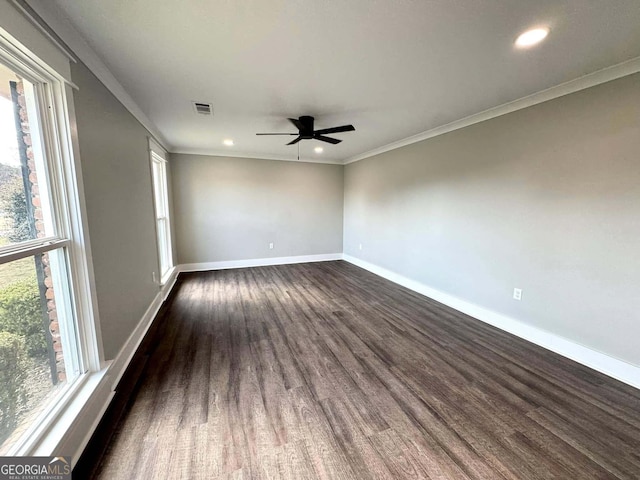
column 304, row 125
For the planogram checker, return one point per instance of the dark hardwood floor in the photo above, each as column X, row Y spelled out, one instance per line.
column 326, row 371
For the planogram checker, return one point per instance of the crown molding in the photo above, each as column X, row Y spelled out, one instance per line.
column 35, row 19
column 587, row 81
column 64, row 29
column 255, row 156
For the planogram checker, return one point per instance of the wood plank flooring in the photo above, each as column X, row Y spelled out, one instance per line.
column 326, row 371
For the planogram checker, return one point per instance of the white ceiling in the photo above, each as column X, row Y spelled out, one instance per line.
column 392, row 68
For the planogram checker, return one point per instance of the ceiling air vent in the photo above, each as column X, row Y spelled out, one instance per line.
column 203, row 108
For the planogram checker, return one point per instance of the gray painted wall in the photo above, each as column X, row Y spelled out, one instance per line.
column 118, row 190
column 232, row 208
column 546, row 199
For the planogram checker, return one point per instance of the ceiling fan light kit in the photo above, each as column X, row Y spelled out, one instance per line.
column 305, row 126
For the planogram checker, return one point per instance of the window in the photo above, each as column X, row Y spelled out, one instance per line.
column 44, row 348
column 161, row 204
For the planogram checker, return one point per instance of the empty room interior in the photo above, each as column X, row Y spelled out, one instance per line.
column 320, row 240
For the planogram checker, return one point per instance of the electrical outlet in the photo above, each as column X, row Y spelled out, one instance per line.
column 271, row 246
column 517, row 294
column 359, row 246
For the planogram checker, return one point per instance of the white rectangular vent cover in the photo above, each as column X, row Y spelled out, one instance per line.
column 203, row 108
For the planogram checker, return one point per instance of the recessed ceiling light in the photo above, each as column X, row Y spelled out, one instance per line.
column 228, row 142
column 318, row 149
column 532, row 37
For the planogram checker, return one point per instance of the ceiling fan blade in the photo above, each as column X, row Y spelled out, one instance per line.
column 276, row 134
column 296, row 140
column 322, row 138
column 343, row 128
column 297, row 123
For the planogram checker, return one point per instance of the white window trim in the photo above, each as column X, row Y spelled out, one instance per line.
column 158, row 155
column 64, row 153
column 83, row 280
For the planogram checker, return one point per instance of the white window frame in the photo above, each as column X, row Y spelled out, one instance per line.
column 54, row 116
column 162, row 213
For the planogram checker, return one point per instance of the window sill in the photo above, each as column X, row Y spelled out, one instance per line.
column 83, row 404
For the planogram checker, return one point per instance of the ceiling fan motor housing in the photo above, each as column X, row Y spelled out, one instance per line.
column 307, row 127
column 306, row 131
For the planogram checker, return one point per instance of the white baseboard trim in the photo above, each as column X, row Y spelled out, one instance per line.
column 104, row 384
column 86, row 420
column 613, row 367
column 128, row 350
column 258, row 262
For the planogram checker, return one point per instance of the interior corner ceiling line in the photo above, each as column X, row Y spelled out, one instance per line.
column 234, row 154
column 589, row 80
column 70, row 36
column 36, row 20
column 79, row 46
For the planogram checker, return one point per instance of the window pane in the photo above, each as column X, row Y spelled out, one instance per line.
column 24, row 204
column 163, row 247
column 158, row 189
column 161, row 200
column 33, row 342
